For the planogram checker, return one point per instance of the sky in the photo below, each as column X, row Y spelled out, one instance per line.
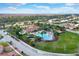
column 39, row 8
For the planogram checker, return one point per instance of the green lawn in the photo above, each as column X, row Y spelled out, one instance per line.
column 68, row 43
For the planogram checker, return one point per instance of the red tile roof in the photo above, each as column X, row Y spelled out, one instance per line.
column 31, row 28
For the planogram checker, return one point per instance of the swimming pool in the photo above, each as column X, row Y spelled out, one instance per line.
column 45, row 36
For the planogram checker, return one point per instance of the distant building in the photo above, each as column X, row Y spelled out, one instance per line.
column 64, row 20
column 71, row 26
column 50, row 21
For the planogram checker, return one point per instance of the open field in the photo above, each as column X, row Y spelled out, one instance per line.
column 68, row 43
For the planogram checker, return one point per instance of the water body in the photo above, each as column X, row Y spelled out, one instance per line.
column 45, row 36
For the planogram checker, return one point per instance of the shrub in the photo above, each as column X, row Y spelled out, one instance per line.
column 4, row 44
column 1, row 36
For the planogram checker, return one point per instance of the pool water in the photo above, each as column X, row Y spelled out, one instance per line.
column 45, row 36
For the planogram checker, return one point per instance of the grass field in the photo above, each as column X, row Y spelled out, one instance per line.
column 68, row 43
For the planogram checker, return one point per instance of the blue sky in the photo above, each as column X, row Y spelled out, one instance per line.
column 39, row 8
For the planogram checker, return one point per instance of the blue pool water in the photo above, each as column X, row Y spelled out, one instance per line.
column 45, row 36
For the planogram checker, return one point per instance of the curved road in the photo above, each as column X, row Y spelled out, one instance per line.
column 17, row 44
column 25, row 48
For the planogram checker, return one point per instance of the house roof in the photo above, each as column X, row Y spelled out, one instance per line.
column 31, row 28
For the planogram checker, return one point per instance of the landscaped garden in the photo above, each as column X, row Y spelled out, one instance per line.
column 66, row 42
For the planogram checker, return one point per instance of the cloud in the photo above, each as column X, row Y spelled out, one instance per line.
column 11, row 8
column 59, row 10
column 20, row 4
column 43, row 7
column 68, row 8
column 8, row 9
column 70, row 4
column 65, row 10
column 16, row 4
